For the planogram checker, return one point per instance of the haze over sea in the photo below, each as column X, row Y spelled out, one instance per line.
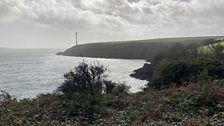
column 25, row 73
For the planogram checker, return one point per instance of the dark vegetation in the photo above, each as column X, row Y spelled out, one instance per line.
column 186, row 89
column 181, row 53
column 138, row 49
column 85, row 78
column 187, row 64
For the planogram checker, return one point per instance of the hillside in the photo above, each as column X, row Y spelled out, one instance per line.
column 206, row 49
column 210, row 48
column 136, row 49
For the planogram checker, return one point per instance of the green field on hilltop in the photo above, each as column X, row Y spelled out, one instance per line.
column 206, row 50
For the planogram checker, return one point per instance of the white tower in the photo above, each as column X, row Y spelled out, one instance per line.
column 76, row 38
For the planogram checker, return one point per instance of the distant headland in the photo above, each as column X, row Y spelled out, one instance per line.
column 134, row 49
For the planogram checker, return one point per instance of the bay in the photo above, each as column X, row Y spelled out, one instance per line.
column 25, row 73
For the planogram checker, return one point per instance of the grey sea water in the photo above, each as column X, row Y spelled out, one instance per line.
column 25, row 73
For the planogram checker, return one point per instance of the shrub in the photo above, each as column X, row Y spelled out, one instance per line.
column 116, row 88
column 109, row 86
column 84, row 78
column 214, row 67
column 4, row 96
column 205, row 83
column 121, row 89
column 178, row 72
column 173, row 73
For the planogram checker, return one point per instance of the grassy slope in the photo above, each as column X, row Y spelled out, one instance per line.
column 135, row 49
column 205, row 49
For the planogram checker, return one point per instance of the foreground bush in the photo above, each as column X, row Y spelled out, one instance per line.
column 84, row 78
column 90, row 79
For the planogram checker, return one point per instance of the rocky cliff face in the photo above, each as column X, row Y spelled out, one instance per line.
column 144, row 73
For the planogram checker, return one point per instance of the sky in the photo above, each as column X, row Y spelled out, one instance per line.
column 53, row 23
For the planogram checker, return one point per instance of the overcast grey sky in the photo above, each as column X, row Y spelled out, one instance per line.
column 53, row 23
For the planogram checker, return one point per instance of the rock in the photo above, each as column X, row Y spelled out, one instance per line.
column 144, row 73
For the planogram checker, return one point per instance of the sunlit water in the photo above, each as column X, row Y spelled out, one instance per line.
column 27, row 73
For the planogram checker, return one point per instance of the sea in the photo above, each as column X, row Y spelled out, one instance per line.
column 26, row 73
